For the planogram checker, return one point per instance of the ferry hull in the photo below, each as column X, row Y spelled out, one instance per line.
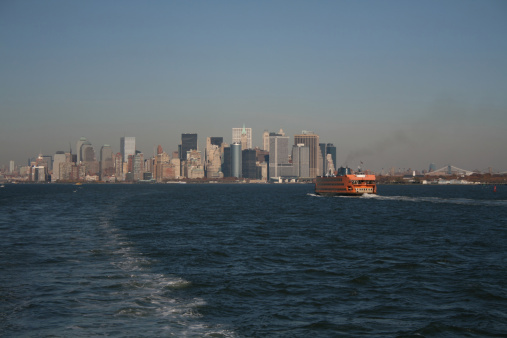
column 346, row 185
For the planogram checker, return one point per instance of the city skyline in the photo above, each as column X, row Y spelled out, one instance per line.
column 390, row 84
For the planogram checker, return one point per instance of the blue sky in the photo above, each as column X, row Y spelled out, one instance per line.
column 390, row 83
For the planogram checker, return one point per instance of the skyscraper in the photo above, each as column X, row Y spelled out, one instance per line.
column 248, row 164
column 278, row 154
column 327, row 149
column 106, row 161
column 301, row 160
column 188, row 142
column 58, row 158
column 236, row 160
column 311, row 140
column 247, row 132
column 127, row 147
column 78, row 149
column 213, row 157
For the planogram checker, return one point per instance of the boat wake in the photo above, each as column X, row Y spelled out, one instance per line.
column 464, row 201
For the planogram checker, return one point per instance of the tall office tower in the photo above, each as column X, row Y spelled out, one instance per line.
column 236, row 160
column 59, row 157
column 301, row 160
column 248, row 164
column 88, row 158
column 265, row 140
column 267, row 134
column 49, row 160
column 213, row 157
column 236, row 136
column 432, row 167
column 226, row 164
column 127, row 147
column 138, row 166
column 11, row 167
column 327, row 149
column 78, row 149
column 311, row 140
column 278, row 154
column 106, row 161
column 159, row 149
column 118, row 164
column 193, row 167
column 188, row 142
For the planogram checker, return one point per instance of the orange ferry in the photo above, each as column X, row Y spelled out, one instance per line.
column 345, row 183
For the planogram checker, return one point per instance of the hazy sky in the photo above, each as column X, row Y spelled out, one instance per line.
column 390, row 83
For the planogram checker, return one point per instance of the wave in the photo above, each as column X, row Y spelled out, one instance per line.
column 135, row 292
column 465, row 201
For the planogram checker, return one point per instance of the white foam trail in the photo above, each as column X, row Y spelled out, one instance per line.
column 140, row 293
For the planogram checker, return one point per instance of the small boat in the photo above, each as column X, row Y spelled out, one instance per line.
column 346, row 183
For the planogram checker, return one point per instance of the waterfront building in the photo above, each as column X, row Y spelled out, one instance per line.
column 127, row 147
column 39, row 174
column 226, row 164
column 327, row 165
column 78, row 149
column 311, row 140
column 188, row 142
column 176, row 164
column 106, row 161
column 88, row 158
column 213, row 157
column 278, row 155
column 236, row 160
column 301, row 160
column 60, row 157
column 49, row 162
column 248, row 164
column 193, row 167
column 64, row 171
column 242, row 134
column 118, row 166
column 138, row 166
column 265, row 140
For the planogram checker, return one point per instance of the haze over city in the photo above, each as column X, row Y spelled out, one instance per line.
column 391, row 84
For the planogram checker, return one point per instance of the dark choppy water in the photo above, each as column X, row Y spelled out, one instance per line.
column 252, row 261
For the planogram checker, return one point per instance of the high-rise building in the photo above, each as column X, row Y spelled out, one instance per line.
column 118, row 164
column 278, row 154
column 213, row 157
column 301, row 160
column 247, row 136
column 193, row 167
column 106, row 161
column 248, row 164
column 78, row 149
column 11, row 167
column 88, row 158
column 226, row 165
column 60, row 157
column 236, row 160
column 188, row 142
column 138, row 166
column 127, row 147
column 311, row 140
column 327, row 149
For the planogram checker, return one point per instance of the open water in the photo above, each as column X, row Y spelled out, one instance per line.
column 252, row 261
